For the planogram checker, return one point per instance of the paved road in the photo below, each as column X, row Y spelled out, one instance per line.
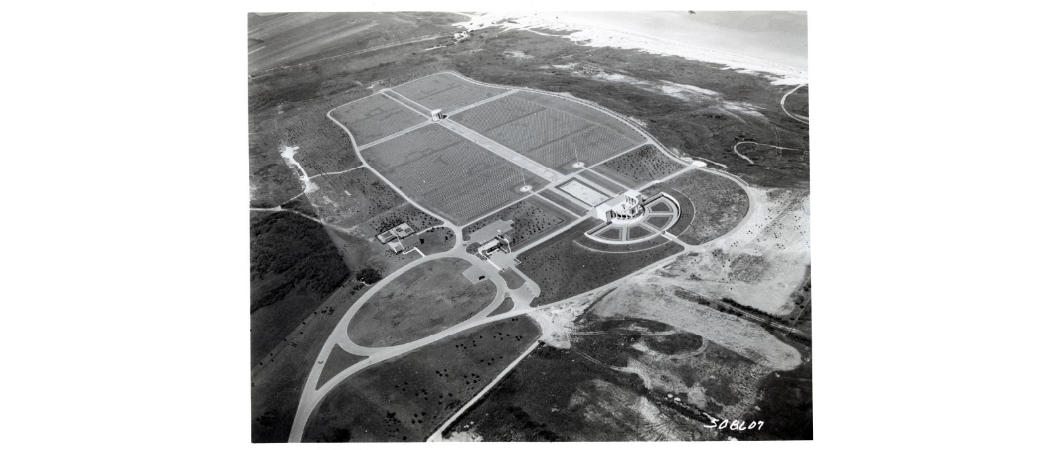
column 311, row 396
column 446, row 222
column 797, row 117
column 735, row 148
column 436, row 437
column 502, row 151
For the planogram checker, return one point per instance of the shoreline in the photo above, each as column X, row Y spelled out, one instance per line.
column 595, row 34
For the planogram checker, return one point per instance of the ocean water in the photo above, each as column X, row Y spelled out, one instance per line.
column 780, row 37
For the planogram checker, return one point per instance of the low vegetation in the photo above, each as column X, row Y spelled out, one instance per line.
column 406, row 213
column 407, row 398
column 422, row 301
column 640, row 166
column 351, row 198
column 294, row 266
column 564, row 268
column 531, row 217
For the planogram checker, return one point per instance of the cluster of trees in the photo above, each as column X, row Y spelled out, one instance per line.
column 643, row 164
column 288, row 251
column 409, row 214
column 368, row 275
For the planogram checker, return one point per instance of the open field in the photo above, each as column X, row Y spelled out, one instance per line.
column 407, row 398
column 532, row 217
column 292, row 38
column 445, row 92
column 351, row 198
column 293, row 267
column 362, row 251
column 639, row 166
column 719, row 203
column 564, row 268
column 436, row 240
column 272, row 182
column 448, row 174
column 513, row 280
column 375, row 117
column 425, row 300
column 323, row 146
column 798, row 102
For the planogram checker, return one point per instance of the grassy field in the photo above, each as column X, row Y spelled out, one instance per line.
column 323, row 146
column 425, row 300
column 556, row 395
column 271, row 181
column 639, row 166
column 351, row 198
column 294, row 266
column 292, row 38
column 504, row 307
column 436, row 240
column 719, row 204
column 276, row 384
column 798, row 101
column 564, row 268
column 513, row 280
column 532, row 217
column 407, row 398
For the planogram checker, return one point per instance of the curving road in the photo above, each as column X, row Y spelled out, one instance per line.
column 735, row 148
column 783, row 100
column 311, row 396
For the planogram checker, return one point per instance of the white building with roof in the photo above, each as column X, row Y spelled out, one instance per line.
column 622, row 207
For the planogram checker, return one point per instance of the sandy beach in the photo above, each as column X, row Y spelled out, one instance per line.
column 770, row 43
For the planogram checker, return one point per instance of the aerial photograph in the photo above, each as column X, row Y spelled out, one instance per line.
column 541, row 226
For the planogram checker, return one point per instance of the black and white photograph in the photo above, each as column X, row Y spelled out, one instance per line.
column 533, row 225
column 587, row 226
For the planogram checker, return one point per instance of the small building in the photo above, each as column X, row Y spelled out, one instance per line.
column 625, row 206
column 399, row 232
column 497, row 244
column 397, row 246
